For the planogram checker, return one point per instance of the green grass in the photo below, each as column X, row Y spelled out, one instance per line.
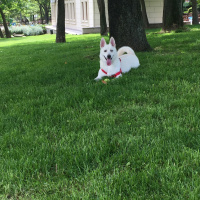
column 65, row 136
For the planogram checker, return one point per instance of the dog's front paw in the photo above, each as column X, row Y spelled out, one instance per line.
column 119, row 76
column 97, row 78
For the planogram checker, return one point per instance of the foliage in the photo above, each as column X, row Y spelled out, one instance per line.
column 27, row 9
column 187, row 4
column 189, row 10
column 18, row 8
column 44, row 28
column 45, row 7
column 65, row 136
column 27, row 30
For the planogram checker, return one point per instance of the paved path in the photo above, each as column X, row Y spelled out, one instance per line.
column 69, row 31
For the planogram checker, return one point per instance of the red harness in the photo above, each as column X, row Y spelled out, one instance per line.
column 115, row 75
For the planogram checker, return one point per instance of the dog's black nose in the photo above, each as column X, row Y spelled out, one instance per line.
column 109, row 56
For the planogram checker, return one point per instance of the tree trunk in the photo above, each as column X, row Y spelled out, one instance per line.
column 126, row 24
column 195, row 19
column 103, row 24
column 172, row 15
column 1, row 34
column 8, row 35
column 46, row 13
column 60, row 29
column 41, row 14
column 21, row 17
column 144, row 14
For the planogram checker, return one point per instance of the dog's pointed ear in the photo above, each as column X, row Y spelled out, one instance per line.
column 102, row 43
column 112, row 41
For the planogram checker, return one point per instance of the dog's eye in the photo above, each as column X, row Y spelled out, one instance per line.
column 105, row 50
column 111, row 50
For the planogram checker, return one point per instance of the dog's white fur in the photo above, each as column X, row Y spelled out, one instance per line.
column 110, row 59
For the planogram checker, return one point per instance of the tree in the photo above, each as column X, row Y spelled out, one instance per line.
column 103, row 24
column 29, row 9
column 195, row 19
column 172, row 15
column 41, row 14
column 1, row 34
column 144, row 14
column 9, row 5
column 8, row 34
column 44, row 6
column 60, row 28
column 126, row 24
column 19, row 9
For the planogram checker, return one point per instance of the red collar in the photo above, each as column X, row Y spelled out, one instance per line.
column 115, row 75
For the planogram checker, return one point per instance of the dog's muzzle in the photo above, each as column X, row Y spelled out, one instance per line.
column 108, row 57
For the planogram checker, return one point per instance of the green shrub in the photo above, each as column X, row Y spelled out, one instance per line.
column 44, row 29
column 16, row 29
column 27, row 30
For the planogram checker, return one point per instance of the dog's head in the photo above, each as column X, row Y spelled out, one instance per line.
column 108, row 52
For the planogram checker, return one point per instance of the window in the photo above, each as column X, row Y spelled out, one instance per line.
column 70, row 11
column 53, row 13
column 67, row 11
column 84, row 10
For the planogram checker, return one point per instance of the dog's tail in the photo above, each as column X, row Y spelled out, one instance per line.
column 124, row 50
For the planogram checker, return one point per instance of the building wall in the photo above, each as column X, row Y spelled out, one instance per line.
column 53, row 12
column 71, row 14
column 154, row 10
column 78, row 13
column 85, row 13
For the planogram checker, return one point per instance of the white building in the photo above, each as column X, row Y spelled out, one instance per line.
column 82, row 16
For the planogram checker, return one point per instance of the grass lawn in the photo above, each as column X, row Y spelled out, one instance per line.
column 65, row 136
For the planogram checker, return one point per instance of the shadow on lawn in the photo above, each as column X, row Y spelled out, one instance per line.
column 156, row 39
column 13, row 38
column 76, row 45
column 51, row 39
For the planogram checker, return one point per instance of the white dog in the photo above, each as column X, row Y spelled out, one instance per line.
column 112, row 62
